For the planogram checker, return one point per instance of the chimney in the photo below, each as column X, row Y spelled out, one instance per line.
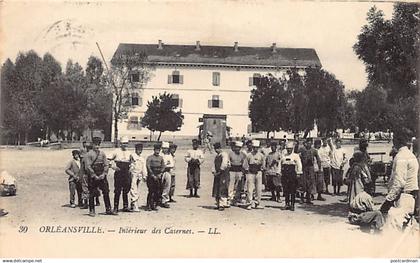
column 197, row 46
column 160, row 44
column 274, row 48
column 235, row 47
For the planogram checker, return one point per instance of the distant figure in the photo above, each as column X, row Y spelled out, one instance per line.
column 165, row 181
column 207, row 144
column 338, row 160
column 272, row 162
column 155, row 167
column 236, row 158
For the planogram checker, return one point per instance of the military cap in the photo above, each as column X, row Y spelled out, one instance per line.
column 138, row 146
column 217, row 145
column 157, row 146
column 74, row 152
column 96, row 140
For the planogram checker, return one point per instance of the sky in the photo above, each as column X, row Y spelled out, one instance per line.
column 71, row 29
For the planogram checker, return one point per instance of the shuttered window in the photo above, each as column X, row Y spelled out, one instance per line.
column 255, row 79
column 177, row 100
column 134, row 123
column 215, row 102
column 175, row 78
column 216, row 78
column 135, row 77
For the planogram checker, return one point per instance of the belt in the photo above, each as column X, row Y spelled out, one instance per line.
column 235, row 168
column 413, row 192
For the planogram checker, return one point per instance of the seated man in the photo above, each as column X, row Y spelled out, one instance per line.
column 362, row 213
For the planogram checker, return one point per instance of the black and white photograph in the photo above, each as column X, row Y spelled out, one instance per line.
column 209, row 129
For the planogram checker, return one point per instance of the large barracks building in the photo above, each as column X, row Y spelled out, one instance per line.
column 211, row 84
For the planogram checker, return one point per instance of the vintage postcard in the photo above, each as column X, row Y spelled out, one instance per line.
column 209, row 129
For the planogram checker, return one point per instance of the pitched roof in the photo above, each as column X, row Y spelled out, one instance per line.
column 259, row 56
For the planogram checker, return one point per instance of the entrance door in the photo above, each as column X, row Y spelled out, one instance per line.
column 216, row 125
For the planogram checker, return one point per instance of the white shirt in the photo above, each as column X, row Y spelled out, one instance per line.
column 337, row 158
column 294, row 159
column 325, row 156
column 169, row 160
column 404, row 174
column 120, row 155
column 194, row 154
column 138, row 165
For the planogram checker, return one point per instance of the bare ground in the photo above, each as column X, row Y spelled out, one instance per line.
column 319, row 230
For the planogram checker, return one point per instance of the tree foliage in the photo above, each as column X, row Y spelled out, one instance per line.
column 390, row 52
column 295, row 101
column 120, row 83
column 161, row 114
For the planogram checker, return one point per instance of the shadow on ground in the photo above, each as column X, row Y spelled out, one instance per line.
column 334, row 209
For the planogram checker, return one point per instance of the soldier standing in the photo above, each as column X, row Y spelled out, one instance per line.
column 194, row 158
column 122, row 180
column 172, row 150
column 97, row 166
column 166, row 175
column 291, row 166
column 221, row 178
column 155, row 167
column 138, row 175
column 253, row 167
column 236, row 158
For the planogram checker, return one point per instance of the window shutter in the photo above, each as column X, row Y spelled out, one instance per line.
column 181, row 79
column 251, row 81
column 210, row 104
column 220, row 104
column 140, row 101
column 180, row 103
column 169, row 79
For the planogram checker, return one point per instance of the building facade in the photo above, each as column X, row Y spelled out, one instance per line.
column 211, row 84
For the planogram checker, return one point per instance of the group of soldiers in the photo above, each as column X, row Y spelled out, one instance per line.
column 286, row 167
column 298, row 171
column 88, row 176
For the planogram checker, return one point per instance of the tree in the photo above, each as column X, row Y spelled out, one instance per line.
column 389, row 50
column 121, row 85
column 161, row 115
column 267, row 108
column 99, row 97
column 326, row 100
column 24, row 116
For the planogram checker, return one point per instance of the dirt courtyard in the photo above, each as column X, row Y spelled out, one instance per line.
column 187, row 229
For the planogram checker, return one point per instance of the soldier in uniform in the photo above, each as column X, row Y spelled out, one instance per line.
column 194, row 158
column 97, row 166
column 253, row 167
column 172, row 150
column 155, row 167
column 122, row 180
column 138, row 175
column 221, row 178
column 236, row 158
column 165, row 181
column 272, row 164
column 86, row 147
column 308, row 156
column 291, row 166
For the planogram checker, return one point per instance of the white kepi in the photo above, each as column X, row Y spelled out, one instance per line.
column 165, row 145
column 255, row 143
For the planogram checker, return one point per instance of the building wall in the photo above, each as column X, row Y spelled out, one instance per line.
column 195, row 91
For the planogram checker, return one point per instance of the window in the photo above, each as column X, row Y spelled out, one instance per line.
column 216, row 78
column 135, row 77
column 136, row 100
column 134, row 123
column 255, row 79
column 175, row 78
column 215, row 102
column 176, row 100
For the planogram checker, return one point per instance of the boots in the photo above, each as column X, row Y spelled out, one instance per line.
column 293, row 199
column 125, row 202
column 107, row 202
column 287, row 202
column 273, row 196
column 196, row 193
column 91, row 207
column 116, row 203
column 191, row 192
column 84, row 204
column 97, row 203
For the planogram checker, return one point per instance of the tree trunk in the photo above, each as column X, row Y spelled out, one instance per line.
column 116, row 131
column 18, row 143
column 26, row 136
column 160, row 134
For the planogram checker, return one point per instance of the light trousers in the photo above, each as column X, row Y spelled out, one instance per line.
column 254, row 181
column 235, row 186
